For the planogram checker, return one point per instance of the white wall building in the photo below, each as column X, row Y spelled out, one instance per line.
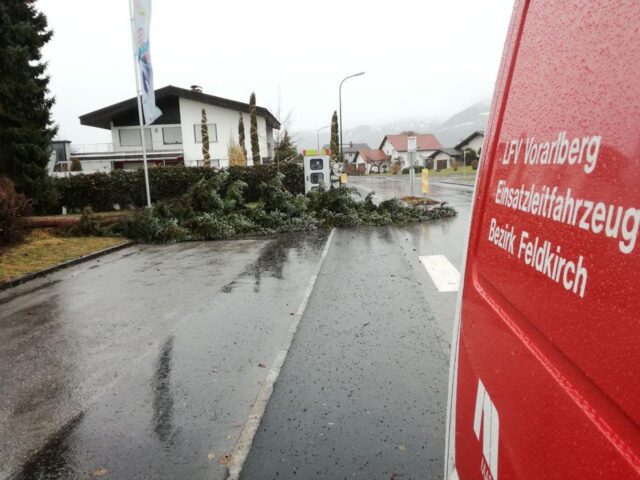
column 473, row 141
column 395, row 146
column 175, row 137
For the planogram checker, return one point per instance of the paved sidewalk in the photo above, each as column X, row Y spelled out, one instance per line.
column 363, row 391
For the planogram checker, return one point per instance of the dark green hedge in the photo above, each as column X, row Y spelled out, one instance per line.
column 126, row 188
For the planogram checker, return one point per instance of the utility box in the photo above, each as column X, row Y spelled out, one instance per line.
column 317, row 169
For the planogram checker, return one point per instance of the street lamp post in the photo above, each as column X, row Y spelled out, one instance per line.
column 340, row 107
column 318, row 134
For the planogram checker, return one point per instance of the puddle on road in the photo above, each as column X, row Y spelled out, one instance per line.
column 275, row 255
column 55, row 460
column 162, row 395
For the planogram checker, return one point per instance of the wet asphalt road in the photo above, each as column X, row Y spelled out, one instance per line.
column 145, row 363
column 363, row 391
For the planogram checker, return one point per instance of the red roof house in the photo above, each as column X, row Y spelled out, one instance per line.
column 396, row 147
column 424, row 141
column 372, row 158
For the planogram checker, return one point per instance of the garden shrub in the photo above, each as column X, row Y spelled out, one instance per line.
column 416, row 169
column 14, row 207
column 125, row 188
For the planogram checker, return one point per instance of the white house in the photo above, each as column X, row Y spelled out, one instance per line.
column 473, row 141
column 175, row 137
column 395, row 146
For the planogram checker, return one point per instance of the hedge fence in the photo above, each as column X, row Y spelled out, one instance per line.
column 101, row 191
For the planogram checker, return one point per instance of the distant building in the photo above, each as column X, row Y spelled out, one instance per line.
column 375, row 160
column 443, row 158
column 473, row 141
column 349, row 150
column 175, row 137
column 395, row 146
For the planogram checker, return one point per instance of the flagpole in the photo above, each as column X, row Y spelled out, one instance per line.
column 139, row 98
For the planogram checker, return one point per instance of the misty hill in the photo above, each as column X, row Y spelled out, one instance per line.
column 462, row 124
column 449, row 132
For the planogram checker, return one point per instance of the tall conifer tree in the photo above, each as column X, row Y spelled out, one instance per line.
column 241, row 139
column 26, row 128
column 333, row 145
column 255, row 144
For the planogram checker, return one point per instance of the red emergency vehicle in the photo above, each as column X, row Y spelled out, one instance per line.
column 545, row 370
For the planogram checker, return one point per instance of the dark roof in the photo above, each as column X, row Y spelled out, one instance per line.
column 102, row 118
column 452, row 152
column 461, row 145
column 424, row 141
column 352, row 147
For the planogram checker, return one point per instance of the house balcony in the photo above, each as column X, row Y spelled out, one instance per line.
column 104, row 157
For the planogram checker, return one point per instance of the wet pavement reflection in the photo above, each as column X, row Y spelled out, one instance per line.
column 139, row 365
column 162, row 396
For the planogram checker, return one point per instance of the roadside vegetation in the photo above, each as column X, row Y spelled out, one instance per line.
column 217, row 208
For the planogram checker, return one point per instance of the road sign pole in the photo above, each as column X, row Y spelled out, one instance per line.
column 411, row 149
column 412, row 173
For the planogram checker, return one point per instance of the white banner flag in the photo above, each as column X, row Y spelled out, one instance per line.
column 142, row 22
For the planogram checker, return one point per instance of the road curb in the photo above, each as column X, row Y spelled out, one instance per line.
column 60, row 266
column 470, row 185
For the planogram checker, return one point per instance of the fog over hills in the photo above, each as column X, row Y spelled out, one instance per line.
column 449, row 132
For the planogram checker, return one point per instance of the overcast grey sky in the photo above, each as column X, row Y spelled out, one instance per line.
column 423, row 59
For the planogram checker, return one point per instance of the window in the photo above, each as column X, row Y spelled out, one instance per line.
column 213, row 132
column 58, row 149
column 316, row 164
column 317, row 178
column 214, row 162
column 130, row 137
column 171, row 135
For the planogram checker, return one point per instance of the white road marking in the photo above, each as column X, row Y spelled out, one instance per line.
column 376, row 198
column 443, row 274
column 243, row 445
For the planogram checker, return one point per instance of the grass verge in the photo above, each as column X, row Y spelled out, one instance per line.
column 43, row 249
column 467, row 172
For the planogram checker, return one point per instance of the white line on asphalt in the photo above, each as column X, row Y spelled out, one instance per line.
column 243, row 445
column 376, row 198
column 444, row 275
